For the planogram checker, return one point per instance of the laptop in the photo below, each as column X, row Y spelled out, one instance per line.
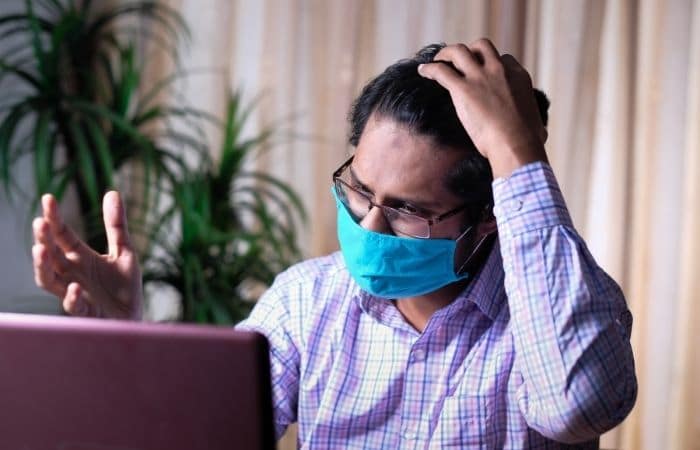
column 92, row 384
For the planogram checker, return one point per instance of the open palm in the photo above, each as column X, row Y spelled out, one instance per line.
column 88, row 284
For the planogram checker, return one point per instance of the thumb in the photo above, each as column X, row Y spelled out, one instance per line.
column 114, row 215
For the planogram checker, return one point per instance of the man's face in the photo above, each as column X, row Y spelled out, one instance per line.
column 405, row 171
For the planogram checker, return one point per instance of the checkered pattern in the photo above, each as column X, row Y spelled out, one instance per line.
column 534, row 352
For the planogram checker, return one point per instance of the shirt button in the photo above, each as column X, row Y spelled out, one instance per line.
column 419, row 355
column 410, row 434
column 515, row 205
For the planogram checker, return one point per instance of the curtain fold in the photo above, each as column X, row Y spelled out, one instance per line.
column 685, row 396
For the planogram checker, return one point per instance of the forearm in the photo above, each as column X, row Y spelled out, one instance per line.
column 516, row 154
column 569, row 319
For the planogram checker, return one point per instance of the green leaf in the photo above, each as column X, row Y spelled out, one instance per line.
column 35, row 31
column 186, row 141
column 86, row 164
column 8, row 127
column 24, row 18
column 129, row 79
column 21, row 73
column 104, row 156
column 43, row 153
column 84, row 78
column 234, row 152
column 117, row 121
column 180, row 112
column 286, row 189
column 8, row 32
column 110, row 85
column 62, row 182
column 53, row 6
column 221, row 315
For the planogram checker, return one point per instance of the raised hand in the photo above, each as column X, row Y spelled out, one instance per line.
column 494, row 100
column 87, row 283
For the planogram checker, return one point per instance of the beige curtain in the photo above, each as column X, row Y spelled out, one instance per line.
column 623, row 77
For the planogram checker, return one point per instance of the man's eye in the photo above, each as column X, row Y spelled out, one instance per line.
column 361, row 189
column 408, row 209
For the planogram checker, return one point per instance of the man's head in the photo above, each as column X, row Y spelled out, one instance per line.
column 423, row 110
column 415, row 174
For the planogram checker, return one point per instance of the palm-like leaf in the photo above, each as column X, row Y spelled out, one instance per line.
column 233, row 226
column 81, row 84
column 80, row 110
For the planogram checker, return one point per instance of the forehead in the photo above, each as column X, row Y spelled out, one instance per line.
column 394, row 162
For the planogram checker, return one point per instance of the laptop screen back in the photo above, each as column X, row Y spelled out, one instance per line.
column 91, row 384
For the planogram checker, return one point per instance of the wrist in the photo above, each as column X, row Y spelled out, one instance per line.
column 510, row 158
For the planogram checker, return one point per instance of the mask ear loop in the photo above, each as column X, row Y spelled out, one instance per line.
column 483, row 244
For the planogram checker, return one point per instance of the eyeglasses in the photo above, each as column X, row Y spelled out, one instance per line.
column 359, row 202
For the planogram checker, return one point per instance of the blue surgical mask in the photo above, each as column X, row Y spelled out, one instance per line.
column 389, row 266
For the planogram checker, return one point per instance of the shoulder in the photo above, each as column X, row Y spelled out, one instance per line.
column 311, row 273
column 314, row 291
column 313, row 285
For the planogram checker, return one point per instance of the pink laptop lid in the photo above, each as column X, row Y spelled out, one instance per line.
column 92, row 384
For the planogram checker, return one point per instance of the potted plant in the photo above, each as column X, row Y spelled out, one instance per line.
column 228, row 231
column 77, row 107
column 79, row 111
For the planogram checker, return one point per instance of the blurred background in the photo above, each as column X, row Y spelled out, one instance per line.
column 623, row 78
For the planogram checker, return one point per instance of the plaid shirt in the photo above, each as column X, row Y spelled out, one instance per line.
column 535, row 351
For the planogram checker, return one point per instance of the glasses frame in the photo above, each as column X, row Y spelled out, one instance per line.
column 429, row 221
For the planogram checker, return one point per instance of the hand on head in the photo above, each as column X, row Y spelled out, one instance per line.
column 494, row 99
column 88, row 284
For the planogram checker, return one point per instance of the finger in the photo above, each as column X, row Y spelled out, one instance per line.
column 521, row 78
column 486, row 53
column 42, row 235
column 114, row 215
column 511, row 63
column 64, row 237
column 461, row 57
column 485, row 49
column 44, row 275
column 445, row 75
column 40, row 229
column 75, row 304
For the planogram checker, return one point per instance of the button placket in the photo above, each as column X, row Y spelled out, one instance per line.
column 410, row 428
column 410, row 433
column 418, row 355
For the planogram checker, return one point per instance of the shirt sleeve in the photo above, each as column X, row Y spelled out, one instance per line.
column 569, row 319
column 270, row 316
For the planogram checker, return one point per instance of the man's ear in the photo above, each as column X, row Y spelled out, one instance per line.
column 486, row 226
column 471, row 253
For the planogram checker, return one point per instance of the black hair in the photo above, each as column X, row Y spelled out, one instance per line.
column 424, row 107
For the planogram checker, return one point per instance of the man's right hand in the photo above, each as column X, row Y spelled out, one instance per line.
column 87, row 283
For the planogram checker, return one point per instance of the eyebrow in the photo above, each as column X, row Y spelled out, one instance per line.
column 428, row 208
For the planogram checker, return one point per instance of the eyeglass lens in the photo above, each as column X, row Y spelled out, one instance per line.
column 359, row 204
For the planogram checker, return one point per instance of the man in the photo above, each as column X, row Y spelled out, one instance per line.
column 425, row 331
